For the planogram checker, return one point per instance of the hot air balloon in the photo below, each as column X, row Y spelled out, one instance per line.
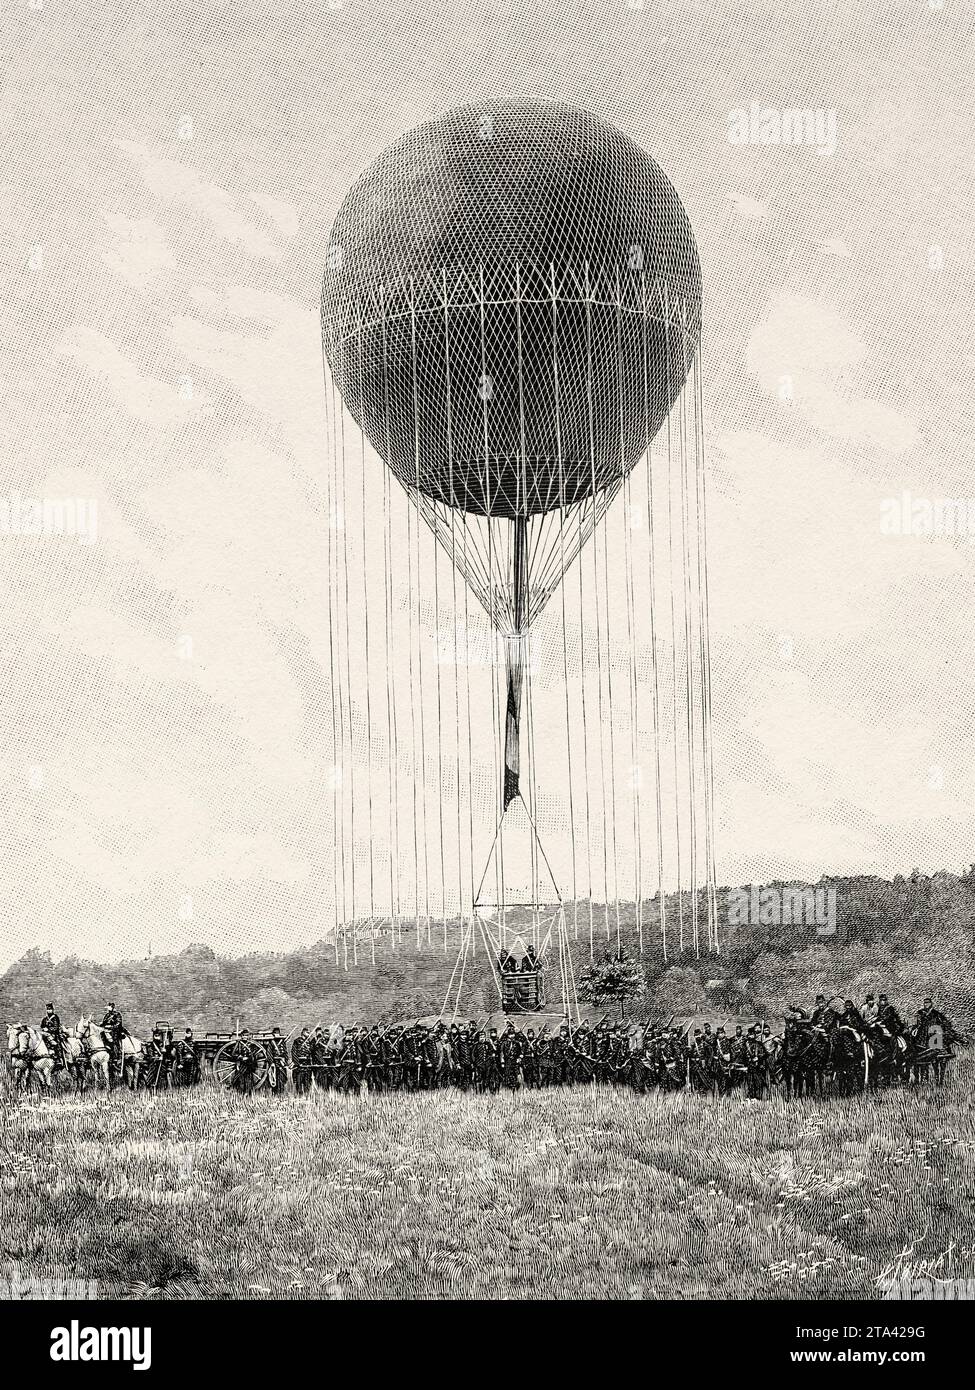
column 511, row 305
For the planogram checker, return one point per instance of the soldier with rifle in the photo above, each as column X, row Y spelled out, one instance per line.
column 301, row 1061
column 245, row 1057
column 510, row 1051
column 277, row 1055
column 186, row 1062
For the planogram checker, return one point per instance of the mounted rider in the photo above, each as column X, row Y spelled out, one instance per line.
column 113, row 1031
column 852, row 1018
column 55, row 1037
column 888, row 1019
column 930, row 1017
column 823, row 1016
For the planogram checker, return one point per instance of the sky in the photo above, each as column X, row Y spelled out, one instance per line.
column 168, row 179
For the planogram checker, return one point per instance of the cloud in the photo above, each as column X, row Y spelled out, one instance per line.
column 748, row 207
column 140, row 252
column 151, row 401
column 283, row 215
column 183, row 187
column 806, row 355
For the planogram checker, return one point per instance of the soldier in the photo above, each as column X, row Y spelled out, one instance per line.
column 529, row 960
column 555, row 1059
column 374, row 1056
column 321, row 1058
column 277, row 1055
column 621, row 1060
column 113, row 1030
column 509, row 1056
column 301, row 1061
column 737, row 1054
column 928, row 1015
column 756, row 1060
column 869, row 1011
column 154, row 1071
column 351, row 1063
column 490, row 1066
column 851, row 1018
column 186, row 1060
column 244, row 1056
column 822, row 1015
column 888, row 1019
column 53, row 1035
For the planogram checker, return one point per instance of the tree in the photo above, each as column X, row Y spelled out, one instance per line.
column 613, row 978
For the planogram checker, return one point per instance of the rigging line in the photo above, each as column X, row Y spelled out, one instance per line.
column 330, row 476
column 391, row 663
column 583, row 649
column 560, row 464
column 588, row 520
column 347, row 683
column 635, row 772
column 460, row 988
column 673, row 625
column 440, row 786
column 527, row 616
column 338, row 522
column 655, row 674
column 470, row 738
column 453, row 560
column 417, row 694
column 485, row 387
column 706, row 641
column 595, row 576
column 365, row 618
column 471, row 563
column 688, row 600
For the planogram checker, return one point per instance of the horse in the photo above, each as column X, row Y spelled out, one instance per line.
column 132, row 1053
column 75, row 1060
column 928, row 1052
column 849, row 1060
column 95, row 1051
column 803, row 1059
column 29, row 1056
column 888, row 1058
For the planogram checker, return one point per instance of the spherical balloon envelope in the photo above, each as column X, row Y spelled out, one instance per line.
column 511, row 303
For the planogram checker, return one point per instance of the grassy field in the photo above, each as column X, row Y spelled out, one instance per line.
column 588, row 1193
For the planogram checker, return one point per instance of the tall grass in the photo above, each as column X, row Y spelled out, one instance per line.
column 583, row 1193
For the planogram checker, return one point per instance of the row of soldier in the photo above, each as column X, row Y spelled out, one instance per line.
column 482, row 1058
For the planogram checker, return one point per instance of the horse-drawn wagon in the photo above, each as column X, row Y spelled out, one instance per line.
column 219, row 1054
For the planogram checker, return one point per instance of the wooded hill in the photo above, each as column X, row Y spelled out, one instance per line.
column 911, row 936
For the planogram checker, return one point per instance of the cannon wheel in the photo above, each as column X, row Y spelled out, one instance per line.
column 224, row 1067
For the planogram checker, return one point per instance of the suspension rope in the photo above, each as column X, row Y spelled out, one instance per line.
column 595, row 574
column 635, row 771
column 368, row 683
column 655, row 674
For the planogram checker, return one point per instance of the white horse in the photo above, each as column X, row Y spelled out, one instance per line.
column 76, row 1058
column 29, row 1056
column 94, row 1038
